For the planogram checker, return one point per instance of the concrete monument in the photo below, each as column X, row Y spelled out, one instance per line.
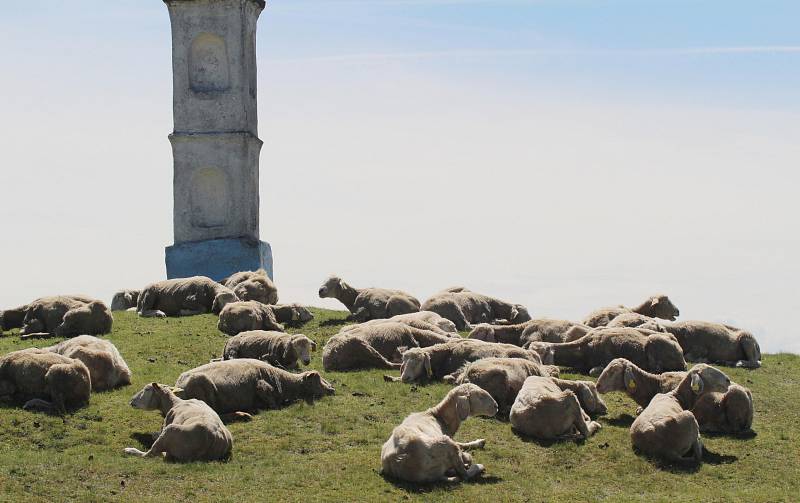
column 215, row 141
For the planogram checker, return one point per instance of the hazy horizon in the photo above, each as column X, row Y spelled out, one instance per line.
column 563, row 155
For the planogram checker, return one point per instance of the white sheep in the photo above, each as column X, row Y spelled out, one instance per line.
column 369, row 303
column 47, row 381
column 666, row 428
column 465, row 307
column 253, row 285
column 623, row 375
column 546, row 408
column 717, row 343
column 424, row 320
column 191, row 431
column 106, row 366
column 538, row 330
column 66, row 316
column 277, row 348
column 184, row 297
column 421, row 448
column 237, row 317
column 125, row 300
column 657, row 306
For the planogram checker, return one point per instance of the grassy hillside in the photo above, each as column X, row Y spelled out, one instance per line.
column 329, row 451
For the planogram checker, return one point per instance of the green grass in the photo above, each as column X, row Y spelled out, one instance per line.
column 329, row 451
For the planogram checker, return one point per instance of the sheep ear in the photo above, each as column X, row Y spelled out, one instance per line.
column 155, row 386
column 428, row 369
column 654, row 302
column 697, row 384
column 630, row 382
column 462, row 407
column 313, row 345
column 514, row 312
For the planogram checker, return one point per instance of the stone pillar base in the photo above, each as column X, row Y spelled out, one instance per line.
column 218, row 258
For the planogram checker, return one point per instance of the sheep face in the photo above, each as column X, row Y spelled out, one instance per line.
column 590, row 400
column 613, row 376
column 543, row 350
column 519, row 314
column 223, row 299
column 315, row 386
column 664, row 353
column 256, row 289
column 149, row 398
column 483, row 332
column 474, row 401
column 707, row 379
column 331, row 287
column 301, row 314
column 662, row 307
column 302, row 347
column 416, row 365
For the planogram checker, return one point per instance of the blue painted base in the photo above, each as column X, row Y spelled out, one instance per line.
column 218, row 258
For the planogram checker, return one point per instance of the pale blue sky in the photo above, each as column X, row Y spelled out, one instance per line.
column 565, row 154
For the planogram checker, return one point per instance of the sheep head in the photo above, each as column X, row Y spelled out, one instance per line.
column 149, row 398
column 707, row 379
column 662, row 307
column 302, row 346
column 315, row 386
column 664, row 353
column 471, row 400
column 258, row 288
column 416, row 365
column 617, row 376
column 331, row 287
column 222, row 299
column 519, row 314
column 483, row 332
column 590, row 400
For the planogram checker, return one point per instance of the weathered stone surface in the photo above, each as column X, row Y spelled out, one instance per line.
column 218, row 258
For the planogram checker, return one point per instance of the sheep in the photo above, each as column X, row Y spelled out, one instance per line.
column 125, row 300
column 656, row 352
column 442, row 359
column 191, row 431
column 106, row 367
column 717, row 343
column 421, row 448
column 729, row 412
column 244, row 385
column 666, row 428
column 545, row 410
column 636, row 320
column 424, row 320
column 253, row 285
column 237, row 317
column 277, row 348
column 464, row 307
column 657, row 306
column 184, row 297
column 367, row 304
column 47, row 380
column 375, row 345
column 539, row 330
column 501, row 377
column 291, row 314
column 12, row 318
column 66, row 316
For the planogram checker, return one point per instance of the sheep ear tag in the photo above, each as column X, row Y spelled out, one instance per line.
column 631, row 385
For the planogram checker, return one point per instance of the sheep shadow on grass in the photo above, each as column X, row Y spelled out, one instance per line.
column 420, row 488
column 146, row 440
column 335, row 322
column 689, row 466
column 622, row 421
column 548, row 442
column 742, row 435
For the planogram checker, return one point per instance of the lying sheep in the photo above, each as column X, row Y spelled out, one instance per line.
column 246, row 385
column 125, row 300
column 545, row 410
column 66, row 316
column 442, row 359
column 253, row 285
column 12, row 318
column 591, row 353
column 657, row 306
column 192, row 431
column 464, row 307
column 237, row 317
column 106, row 366
column 539, row 330
column 368, row 303
column 636, row 320
column 184, row 297
column 421, row 448
column 500, row 377
column 717, row 343
column 375, row 345
column 666, row 428
column 423, row 320
column 292, row 314
column 48, row 381
column 277, row 348
column 729, row 412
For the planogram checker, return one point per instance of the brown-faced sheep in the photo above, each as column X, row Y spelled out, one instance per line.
column 666, row 428
column 442, row 359
column 421, row 448
column 729, row 412
column 191, row 431
column 253, row 285
column 657, row 306
column 46, row 381
column 246, row 385
column 538, row 330
column 106, row 366
column 716, row 343
column 464, row 307
column 368, row 303
column 423, row 320
column 375, row 345
column 501, row 377
column 657, row 352
column 237, row 317
column 184, row 297
column 125, row 300
column 276, row 348
column 546, row 411
column 66, row 316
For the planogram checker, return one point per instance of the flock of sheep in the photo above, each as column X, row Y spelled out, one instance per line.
column 508, row 366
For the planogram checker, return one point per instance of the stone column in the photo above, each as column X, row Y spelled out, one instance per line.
column 215, row 142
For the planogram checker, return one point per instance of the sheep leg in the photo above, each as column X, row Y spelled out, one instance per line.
column 152, row 313
column 697, row 450
column 236, row 416
column 586, row 427
column 39, row 405
column 34, row 335
column 455, row 458
column 475, row 444
column 746, row 364
column 159, row 446
column 369, row 357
